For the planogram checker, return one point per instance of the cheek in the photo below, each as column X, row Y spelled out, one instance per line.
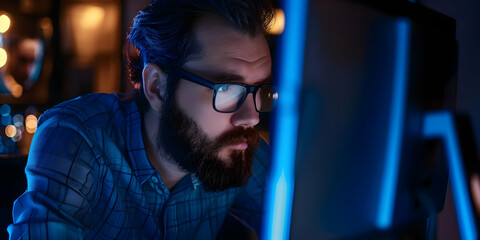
column 212, row 123
column 196, row 103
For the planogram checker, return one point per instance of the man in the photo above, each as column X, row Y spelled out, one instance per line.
column 23, row 64
column 173, row 160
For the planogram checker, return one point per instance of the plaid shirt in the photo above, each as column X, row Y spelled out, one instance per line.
column 89, row 178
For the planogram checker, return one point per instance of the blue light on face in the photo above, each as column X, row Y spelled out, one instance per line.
column 397, row 114
column 38, row 63
column 441, row 125
column 279, row 192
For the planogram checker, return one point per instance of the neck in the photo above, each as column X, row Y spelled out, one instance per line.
column 170, row 173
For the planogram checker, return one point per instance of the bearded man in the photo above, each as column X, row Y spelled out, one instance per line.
column 173, row 159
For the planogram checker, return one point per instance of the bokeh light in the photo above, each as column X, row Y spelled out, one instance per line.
column 18, row 120
column 47, row 27
column 3, row 57
column 89, row 17
column 277, row 24
column 31, row 123
column 6, row 120
column 5, row 110
column 10, row 131
column 4, row 23
column 16, row 90
column 19, row 134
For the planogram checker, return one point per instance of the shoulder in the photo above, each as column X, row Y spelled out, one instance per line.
column 75, row 140
column 98, row 119
column 89, row 111
column 76, row 129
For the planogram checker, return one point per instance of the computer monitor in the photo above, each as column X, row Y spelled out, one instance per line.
column 367, row 73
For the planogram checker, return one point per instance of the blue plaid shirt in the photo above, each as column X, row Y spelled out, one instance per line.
column 89, row 178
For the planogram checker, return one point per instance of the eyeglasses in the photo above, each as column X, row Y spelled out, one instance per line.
column 229, row 97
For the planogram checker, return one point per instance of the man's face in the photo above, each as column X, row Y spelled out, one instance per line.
column 218, row 147
column 23, row 59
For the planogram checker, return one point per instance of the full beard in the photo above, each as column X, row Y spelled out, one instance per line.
column 187, row 146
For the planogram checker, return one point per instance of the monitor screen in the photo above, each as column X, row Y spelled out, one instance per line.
column 370, row 72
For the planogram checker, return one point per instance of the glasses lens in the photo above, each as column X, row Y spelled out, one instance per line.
column 228, row 97
column 264, row 99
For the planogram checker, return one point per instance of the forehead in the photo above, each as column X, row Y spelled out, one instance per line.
column 227, row 50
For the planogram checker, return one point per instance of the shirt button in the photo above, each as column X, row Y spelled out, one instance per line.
column 154, row 179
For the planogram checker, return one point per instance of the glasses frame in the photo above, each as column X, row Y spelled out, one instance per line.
column 184, row 74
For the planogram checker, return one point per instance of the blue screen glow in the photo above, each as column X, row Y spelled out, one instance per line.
column 279, row 192
column 441, row 125
column 392, row 158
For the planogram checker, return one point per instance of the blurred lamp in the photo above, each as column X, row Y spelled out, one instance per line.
column 4, row 23
column 3, row 57
column 277, row 24
column 87, row 21
column 31, row 123
column 10, row 131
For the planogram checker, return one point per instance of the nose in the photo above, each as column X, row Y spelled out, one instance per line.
column 246, row 115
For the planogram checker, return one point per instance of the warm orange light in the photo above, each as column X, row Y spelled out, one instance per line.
column 31, row 123
column 87, row 17
column 4, row 23
column 10, row 131
column 3, row 57
column 47, row 27
column 276, row 26
column 275, row 96
column 15, row 89
column 87, row 23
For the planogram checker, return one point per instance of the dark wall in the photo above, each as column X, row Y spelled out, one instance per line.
column 467, row 15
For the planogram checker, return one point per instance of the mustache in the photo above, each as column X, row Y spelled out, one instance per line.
column 236, row 136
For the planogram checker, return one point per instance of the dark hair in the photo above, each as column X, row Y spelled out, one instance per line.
column 163, row 32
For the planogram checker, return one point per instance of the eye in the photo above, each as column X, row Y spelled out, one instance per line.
column 224, row 88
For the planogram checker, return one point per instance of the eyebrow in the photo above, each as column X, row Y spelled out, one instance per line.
column 228, row 77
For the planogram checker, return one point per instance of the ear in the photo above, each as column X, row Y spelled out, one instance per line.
column 154, row 85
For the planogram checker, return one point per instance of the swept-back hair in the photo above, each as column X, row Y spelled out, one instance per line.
column 163, row 32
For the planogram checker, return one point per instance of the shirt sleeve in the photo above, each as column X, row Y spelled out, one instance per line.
column 61, row 186
column 248, row 205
